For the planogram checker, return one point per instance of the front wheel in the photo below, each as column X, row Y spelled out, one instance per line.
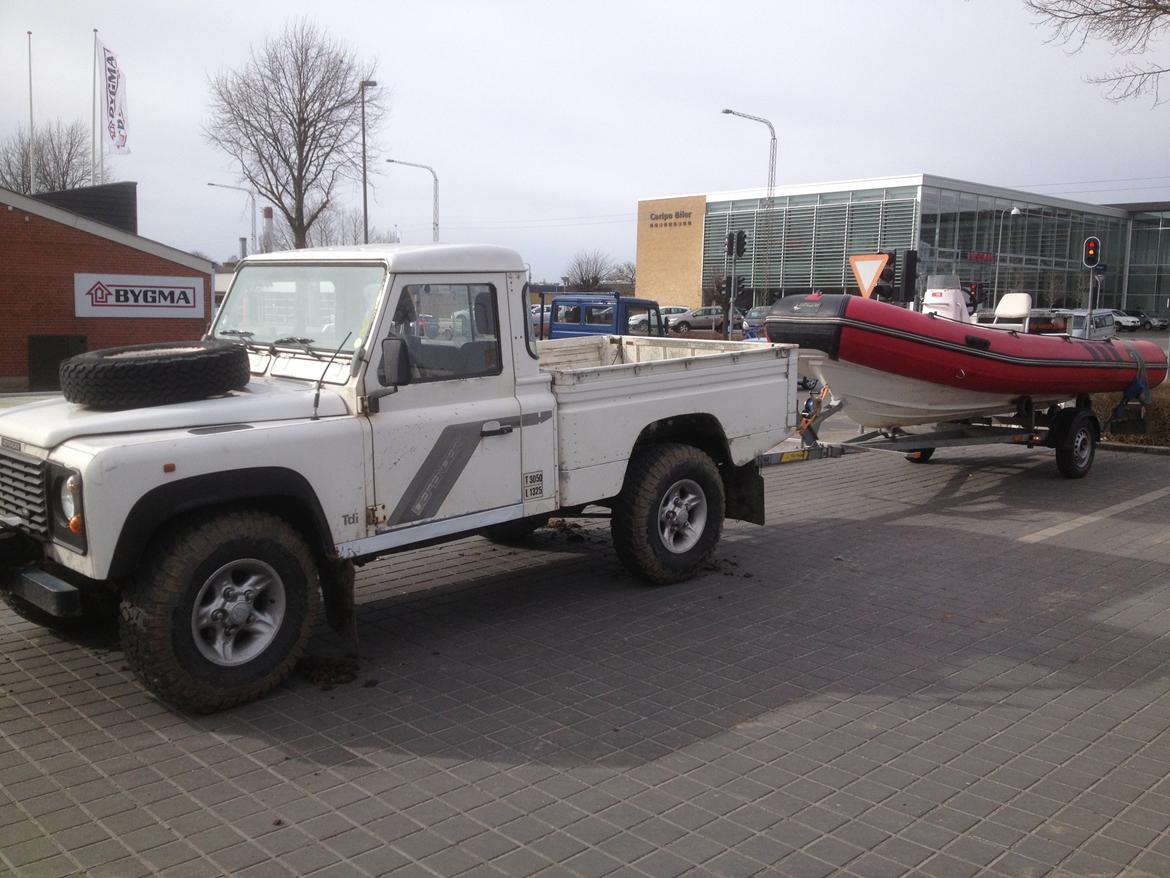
column 669, row 516
column 1076, row 442
column 220, row 610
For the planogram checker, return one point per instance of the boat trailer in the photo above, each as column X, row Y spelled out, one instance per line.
column 1073, row 431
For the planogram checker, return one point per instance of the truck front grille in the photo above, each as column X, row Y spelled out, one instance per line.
column 22, row 492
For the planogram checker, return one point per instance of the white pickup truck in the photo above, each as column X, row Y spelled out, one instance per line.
column 345, row 404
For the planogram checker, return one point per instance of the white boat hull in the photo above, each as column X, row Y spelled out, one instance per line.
column 877, row 399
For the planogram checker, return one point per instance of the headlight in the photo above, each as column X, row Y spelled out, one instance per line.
column 68, row 514
column 69, row 494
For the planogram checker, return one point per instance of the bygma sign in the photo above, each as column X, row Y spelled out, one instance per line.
column 103, row 295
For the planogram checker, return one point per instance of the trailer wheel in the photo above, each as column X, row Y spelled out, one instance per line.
column 220, row 610
column 669, row 515
column 1076, row 442
column 920, row 455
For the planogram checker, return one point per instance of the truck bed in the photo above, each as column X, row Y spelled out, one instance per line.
column 609, row 388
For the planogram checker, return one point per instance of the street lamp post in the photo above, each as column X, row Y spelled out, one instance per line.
column 1015, row 211
column 435, row 219
column 768, row 204
column 251, row 197
column 366, row 83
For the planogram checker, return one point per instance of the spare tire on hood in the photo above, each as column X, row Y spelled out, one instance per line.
column 154, row 374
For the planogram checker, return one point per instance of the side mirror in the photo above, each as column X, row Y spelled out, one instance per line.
column 395, row 362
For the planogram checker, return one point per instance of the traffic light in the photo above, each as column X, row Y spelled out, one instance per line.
column 889, row 269
column 909, row 275
column 725, row 290
column 740, row 242
column 740, row 284
column 1092, row 255
column 730, row 244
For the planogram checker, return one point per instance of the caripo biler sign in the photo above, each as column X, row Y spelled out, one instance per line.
column 124, row 295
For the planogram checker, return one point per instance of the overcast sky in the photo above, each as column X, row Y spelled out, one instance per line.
column 547, row 121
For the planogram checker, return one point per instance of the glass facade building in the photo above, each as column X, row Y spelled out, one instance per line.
column 997, row 239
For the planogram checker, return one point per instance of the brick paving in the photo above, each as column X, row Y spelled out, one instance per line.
column 959, row 668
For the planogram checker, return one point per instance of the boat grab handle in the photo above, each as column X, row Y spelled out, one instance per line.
column 976, row 341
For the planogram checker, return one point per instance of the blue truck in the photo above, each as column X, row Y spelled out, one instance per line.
column 580, row 314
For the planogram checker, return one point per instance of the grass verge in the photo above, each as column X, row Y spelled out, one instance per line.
column 1157, row 417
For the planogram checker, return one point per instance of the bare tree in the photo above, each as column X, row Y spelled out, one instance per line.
column 291, row 120
column 625, row 272
column 1131, row 26
column 335, row 227
column 62, row 154
column 588, row 269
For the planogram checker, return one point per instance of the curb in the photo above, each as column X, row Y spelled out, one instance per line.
column 1161, row 450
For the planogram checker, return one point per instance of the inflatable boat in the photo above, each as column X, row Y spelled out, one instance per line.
column 895, row 367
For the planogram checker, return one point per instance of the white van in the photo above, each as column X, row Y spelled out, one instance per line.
column 1094, row 324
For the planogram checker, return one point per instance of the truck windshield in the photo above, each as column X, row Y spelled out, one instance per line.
column 301, row 305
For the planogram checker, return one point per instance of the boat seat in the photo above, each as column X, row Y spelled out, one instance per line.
column 1012, row 312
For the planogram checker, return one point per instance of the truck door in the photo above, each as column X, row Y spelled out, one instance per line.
column 446, row 445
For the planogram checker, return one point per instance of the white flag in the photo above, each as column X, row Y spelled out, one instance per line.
column 113, row 102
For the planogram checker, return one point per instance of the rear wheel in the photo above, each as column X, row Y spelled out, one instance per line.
column 682, row 327
column 669, row 516
column 220, row 610
column 1076, row 442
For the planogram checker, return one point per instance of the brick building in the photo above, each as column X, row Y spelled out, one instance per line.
column 70, row 284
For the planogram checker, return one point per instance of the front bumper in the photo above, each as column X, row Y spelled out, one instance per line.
column 42, row 590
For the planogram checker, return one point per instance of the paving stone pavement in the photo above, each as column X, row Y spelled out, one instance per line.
column 951, row 669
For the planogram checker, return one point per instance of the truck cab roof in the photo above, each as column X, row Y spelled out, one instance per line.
column 406, row 258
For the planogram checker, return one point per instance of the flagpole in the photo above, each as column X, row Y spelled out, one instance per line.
column 32, row 149
column 93, row 117
column 102, row 126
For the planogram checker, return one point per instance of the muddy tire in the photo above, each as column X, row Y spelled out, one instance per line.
column 512, row 532
column 669, row 516
column 220, row 610
column 154, row 374
column 1076, row 442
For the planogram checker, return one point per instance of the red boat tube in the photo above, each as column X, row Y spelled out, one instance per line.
column 969, row 356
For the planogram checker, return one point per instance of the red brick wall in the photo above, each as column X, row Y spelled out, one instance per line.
column 38, row 258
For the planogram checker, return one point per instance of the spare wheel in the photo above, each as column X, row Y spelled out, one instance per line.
column 154, row 374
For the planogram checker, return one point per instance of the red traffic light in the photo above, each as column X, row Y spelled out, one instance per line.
column 1092, row 253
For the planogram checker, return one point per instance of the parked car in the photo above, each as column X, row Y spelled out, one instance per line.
column 753, row 320
column 707, row 317
column 1148, row 321
column 1125, row 322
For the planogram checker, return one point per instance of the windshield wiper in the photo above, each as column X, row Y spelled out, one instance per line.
column 298, row 341
column 244, row 336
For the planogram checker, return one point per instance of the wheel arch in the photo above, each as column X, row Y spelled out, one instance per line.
column 743, row 486
column 276, row 489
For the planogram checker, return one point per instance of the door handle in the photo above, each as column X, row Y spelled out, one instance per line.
column 495, row 428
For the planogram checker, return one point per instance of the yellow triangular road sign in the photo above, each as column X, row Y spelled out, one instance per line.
column 867, row 268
